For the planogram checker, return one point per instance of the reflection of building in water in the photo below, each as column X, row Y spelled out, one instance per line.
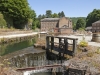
column 62, row 25
column 96, row 26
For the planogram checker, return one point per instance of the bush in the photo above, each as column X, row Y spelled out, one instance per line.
column 83, row 43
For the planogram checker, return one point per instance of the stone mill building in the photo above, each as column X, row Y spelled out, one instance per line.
column 62, row 25
column 96, row 27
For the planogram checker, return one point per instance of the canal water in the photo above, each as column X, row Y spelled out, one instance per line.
column 15, row 46
column 43, row 73
column 6, row 49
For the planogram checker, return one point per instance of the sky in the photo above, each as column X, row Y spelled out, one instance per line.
column 71, row 8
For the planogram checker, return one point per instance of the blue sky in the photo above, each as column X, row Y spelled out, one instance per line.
column 71, row 8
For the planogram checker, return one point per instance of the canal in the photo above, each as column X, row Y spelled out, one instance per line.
column 15, row 46
column 10, row 49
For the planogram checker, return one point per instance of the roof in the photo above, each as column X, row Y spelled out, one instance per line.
column 97, row 21
column 50, row 19
column 88, row 28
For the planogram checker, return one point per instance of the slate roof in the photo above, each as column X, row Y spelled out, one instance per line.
column 50, row 19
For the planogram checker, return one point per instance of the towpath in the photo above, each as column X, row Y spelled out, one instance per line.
column 18, row 35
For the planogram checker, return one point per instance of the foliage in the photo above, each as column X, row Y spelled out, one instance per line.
column 61, row 14
column 83, row 43
column 74, row 20
column 92, row 17
column 55, row 15
column 18, row 10
column 81, row 29
column 80, row 23
column 48, row 13
column 3, row 23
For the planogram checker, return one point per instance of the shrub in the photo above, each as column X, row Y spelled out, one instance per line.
column 83, row 43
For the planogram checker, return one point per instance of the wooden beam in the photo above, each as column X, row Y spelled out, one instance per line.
column 38, row 68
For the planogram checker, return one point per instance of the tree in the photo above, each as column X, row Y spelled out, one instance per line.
column 43, row 16
column 62, row 14
column 59, row 14
column 74, row 20
column 92, row 17
column 40, row 16
column 3, row 23
column 36, row 23
column 48, row 13
column 55, row 15
column 80, row 23
column 18, row 10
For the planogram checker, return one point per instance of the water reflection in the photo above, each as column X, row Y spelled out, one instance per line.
column 11, row 47
column 42, row 73
column 39, row 73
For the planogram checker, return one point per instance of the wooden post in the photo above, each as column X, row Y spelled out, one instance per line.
column 59, row 47
column 65, row 45
column 47, row 42
column 52, row 43
column 74, row 46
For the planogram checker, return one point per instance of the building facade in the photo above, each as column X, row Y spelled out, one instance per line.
column 62, row 25
column 96, row 27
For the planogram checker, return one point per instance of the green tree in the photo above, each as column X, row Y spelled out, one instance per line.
column 74, row 20
column 92, row 17
column 18, row 10
column 62, row 14
column 40, row 16
column 55, row 15
column 43, row 16
column 59, row 14
column 80, row 23
column 36, row 23
column 3, row 23
column 48, row 13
